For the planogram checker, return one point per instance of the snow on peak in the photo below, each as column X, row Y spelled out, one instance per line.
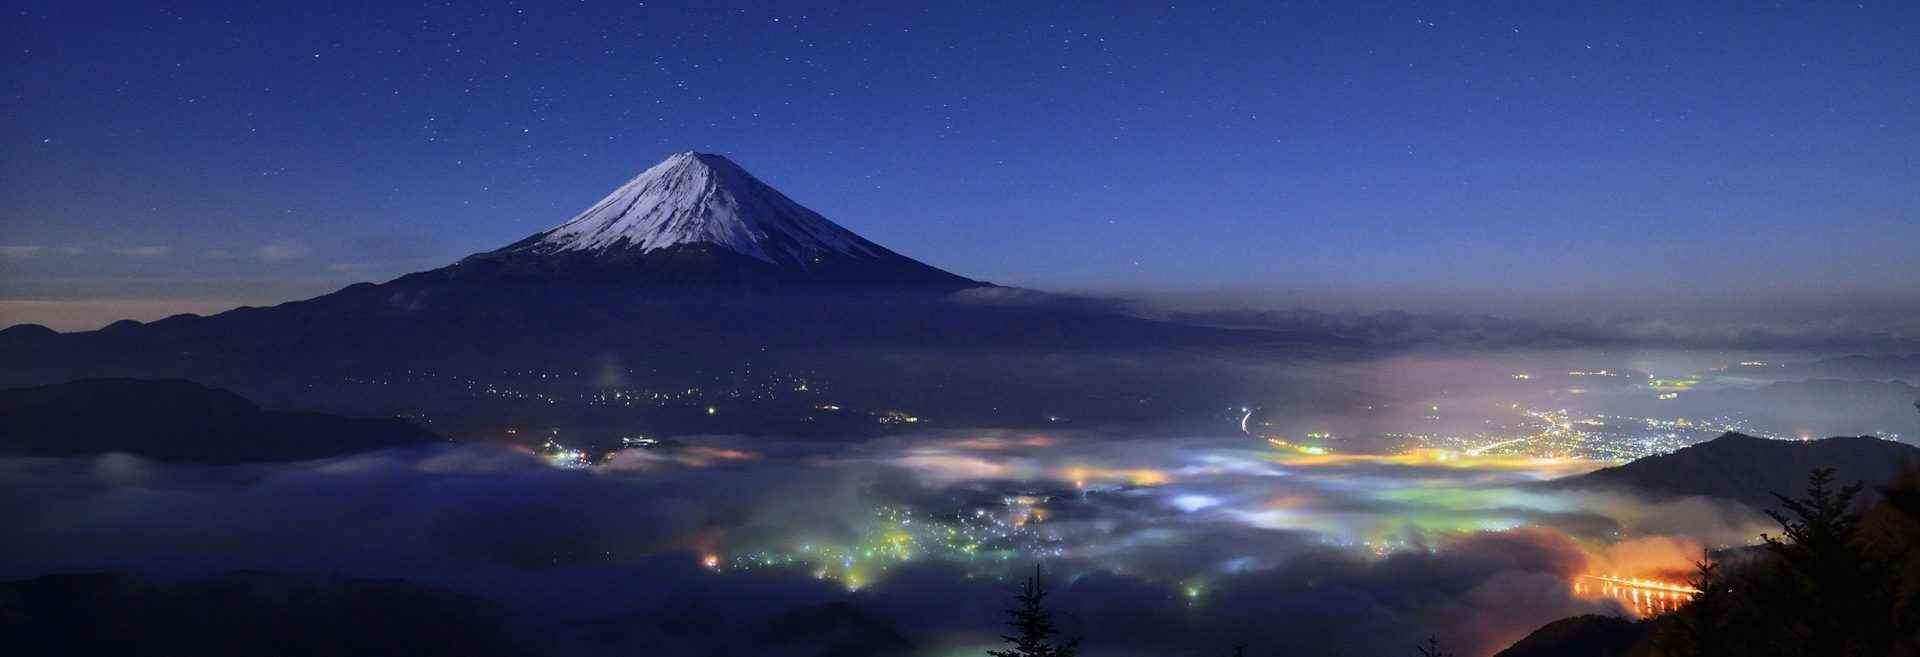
column 701, row 198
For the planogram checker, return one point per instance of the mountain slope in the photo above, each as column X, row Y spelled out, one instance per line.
column 245, row 613
column 689, row 275
column 174, row 420
column 697, row 198
column 1584, row 636
column 1748, row 469
column 699, row 218
column 831, row 629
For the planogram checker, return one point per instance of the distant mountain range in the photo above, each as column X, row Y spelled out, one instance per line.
column 694, row 242
column 691, row 271
column 1749, row 470
column 181, row 421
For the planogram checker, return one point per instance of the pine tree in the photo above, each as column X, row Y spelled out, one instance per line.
column 1825, row 577
column 1821, row 525
column 1033, row 626
column 1828, row 585
column 1432, row 648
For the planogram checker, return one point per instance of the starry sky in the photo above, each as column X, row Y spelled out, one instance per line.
column 1507, row 158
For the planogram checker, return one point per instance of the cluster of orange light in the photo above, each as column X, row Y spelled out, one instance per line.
column 1035, row 514
column 1080, row 475
column 1289, row 501
column 991, row 443
column 1647, row 597
column 1447, row 459
column 1646, row 584
column 701, row 457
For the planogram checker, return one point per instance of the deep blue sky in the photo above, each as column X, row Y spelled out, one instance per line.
column 188, row 157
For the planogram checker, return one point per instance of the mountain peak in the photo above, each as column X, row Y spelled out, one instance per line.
column 695, row 221
column 1750, row 470
column 694, row 198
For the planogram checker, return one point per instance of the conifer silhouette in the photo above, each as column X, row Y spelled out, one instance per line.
column 1032, row 624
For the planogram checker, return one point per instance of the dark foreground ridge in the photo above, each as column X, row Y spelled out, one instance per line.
column 244, row 614
column 1591, row 635
column 181, row 421
column 255, row 613
column 1837, row 579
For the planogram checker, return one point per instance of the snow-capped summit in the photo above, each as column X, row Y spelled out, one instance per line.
column 700, row 217
column 701, row 198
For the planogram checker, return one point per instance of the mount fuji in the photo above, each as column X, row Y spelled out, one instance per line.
column 692, row 272
column 698, row 219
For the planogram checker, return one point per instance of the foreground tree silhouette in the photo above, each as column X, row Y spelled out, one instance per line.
column 1432, row 648
column 1033, row 625
column 1824, row 574
column 1820, row 528
column 1825, row 586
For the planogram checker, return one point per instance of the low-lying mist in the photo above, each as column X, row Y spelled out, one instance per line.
column 1156, row 544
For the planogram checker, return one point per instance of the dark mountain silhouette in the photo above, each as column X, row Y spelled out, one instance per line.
column 1749, row 470
column 244, row 614
column 1584, row 636
column 832, row 629
column 27, row 332
column 692, row 266
column 1837, row 579
column 174, row 420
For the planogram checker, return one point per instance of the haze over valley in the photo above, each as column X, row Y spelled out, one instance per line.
column 924, row 331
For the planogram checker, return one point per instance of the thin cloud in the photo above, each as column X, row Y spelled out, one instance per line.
column 282, row 252
column 147, row 251
column 20, row 251
column 1133, row 565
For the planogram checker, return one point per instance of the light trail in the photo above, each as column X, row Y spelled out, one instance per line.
column 1646, row 597
column 1643, row 584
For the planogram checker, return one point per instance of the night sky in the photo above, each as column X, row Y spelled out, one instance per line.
column 160, row 159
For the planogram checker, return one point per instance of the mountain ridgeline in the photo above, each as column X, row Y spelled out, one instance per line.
column 1750, row 470
column 181, row 421
column 694, row 268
